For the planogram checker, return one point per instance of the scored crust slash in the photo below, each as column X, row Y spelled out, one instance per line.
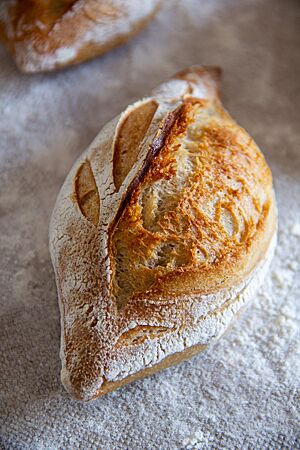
column 162, row 232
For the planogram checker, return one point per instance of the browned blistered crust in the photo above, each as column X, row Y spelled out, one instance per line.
column 156, row 146
column 34, row 30
column 193, row 217
column 193, row 241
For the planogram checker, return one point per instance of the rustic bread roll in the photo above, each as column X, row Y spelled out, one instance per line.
column 162, row 232
column 50, row 34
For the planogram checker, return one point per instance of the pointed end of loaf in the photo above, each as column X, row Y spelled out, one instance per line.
column 81, row 388
column 206, row 79
column 193, row 72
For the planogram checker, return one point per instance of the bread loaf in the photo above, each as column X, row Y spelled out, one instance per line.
column 162, row 232
column 50, row 34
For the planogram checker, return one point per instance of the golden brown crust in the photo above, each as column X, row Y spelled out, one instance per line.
column 51, row 34
column 205, row 229
column 167, row 362
column 156, row 255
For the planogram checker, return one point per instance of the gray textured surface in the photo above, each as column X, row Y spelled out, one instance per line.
column 243, row 392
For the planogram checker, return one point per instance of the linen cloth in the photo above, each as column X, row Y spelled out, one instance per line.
column 242, row 393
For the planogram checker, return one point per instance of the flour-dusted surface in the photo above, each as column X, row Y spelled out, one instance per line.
column 243, row 392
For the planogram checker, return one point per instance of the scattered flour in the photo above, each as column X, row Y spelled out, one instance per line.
column 295, row 229
column 196, row 441
column 243, row 395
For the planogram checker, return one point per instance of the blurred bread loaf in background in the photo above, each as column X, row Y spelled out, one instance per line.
column 45, row 35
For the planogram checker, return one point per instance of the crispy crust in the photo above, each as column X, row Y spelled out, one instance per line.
column 169, row 361
column 153, row 267
column 52, row 34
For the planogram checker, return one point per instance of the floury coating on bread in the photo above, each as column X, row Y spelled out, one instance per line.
column 50, row 34
column 162, row 232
